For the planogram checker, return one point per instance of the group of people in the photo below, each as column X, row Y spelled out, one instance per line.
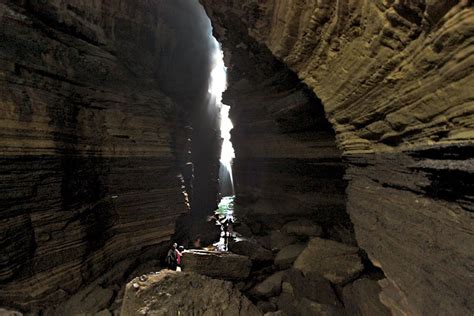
column 174, row 258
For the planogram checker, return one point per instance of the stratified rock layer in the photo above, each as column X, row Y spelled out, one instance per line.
column 287, row 165
column 395, row 79
column 92, row 146
column 389, row 73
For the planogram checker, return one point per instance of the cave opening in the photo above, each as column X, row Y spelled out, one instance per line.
column 224, row 214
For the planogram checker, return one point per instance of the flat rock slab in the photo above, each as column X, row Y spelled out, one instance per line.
column 338, row 263
column 215, row 264
column 181, row 293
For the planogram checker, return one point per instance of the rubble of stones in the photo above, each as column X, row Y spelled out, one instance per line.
column 294, row 270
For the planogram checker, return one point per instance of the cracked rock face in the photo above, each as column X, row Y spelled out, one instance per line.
column 395, row 81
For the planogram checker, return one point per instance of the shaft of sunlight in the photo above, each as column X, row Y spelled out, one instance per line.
column 217, row 87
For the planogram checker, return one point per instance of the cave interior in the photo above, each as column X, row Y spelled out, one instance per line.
column 337, row 135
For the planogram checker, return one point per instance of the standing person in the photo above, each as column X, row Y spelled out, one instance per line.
column 179, row 257
column 227, row 227
column 230, row 224
column 171, row 257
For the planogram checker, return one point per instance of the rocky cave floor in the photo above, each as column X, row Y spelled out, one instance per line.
column 295, row 269
column 272, row 267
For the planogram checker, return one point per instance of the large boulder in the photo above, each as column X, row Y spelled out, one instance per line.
column 220, row 265
column 303, row 228
column 338, row 263
column 298, row 294
column 271, row 286
column 311, row 286
column 285, row 257
column 277, row 240
column 180, row 293
column 362, row 298
column 252, row 250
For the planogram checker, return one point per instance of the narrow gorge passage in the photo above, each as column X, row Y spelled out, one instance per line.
column 321, row 152
column 217, row 87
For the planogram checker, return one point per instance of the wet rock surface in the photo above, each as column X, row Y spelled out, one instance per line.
column 181, row 293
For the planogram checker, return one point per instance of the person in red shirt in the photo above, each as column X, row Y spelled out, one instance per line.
column 179, row 257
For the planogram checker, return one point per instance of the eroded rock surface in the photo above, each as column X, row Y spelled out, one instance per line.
column 93, row 147
column 394, row 78
column 181, row 293
column 364, row 59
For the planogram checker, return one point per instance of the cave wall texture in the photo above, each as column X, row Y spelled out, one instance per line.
column 96, row 103
column 97, row 99
column 396, row 81
column 287, row 164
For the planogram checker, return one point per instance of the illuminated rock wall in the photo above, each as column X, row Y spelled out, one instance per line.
column 395, row 80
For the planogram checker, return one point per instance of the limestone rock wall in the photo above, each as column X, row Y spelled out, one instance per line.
column 92, row 146
column 395, row 80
